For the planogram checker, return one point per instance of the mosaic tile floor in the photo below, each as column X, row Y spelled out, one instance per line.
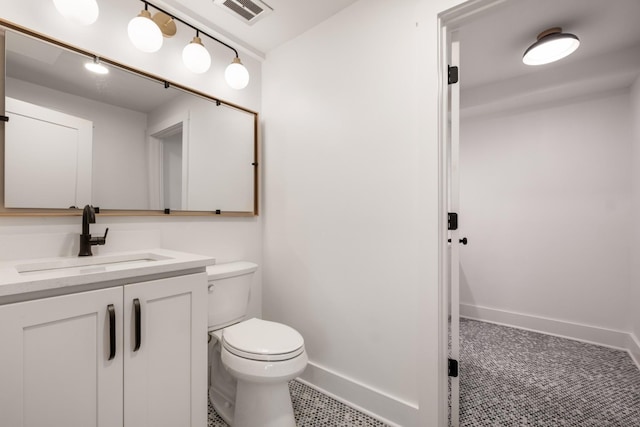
column 314, row 409
column 511, row 377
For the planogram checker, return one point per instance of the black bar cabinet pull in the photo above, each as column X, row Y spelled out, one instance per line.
column 112, row 331
column 138, row 332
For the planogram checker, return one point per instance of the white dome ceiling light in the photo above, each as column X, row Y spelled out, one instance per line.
column 83, row 12
column 552, row 45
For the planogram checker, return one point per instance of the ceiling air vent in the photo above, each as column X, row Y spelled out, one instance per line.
column 248, row 11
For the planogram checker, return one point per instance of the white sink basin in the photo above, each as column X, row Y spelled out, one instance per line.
column 84, row 265
column 59, row 275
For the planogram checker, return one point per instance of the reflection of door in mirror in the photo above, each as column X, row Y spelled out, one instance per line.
column 172, row 170
column 167, row 143
column 51, row 157
column 217, row 154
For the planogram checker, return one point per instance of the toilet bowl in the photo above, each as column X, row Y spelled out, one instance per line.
column 250, row 361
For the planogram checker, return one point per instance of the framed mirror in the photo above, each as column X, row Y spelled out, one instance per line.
column 125, row 141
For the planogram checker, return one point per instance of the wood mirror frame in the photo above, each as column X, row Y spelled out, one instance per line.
column 7, row 25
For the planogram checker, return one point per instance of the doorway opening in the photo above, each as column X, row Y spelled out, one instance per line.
column 563, row 197
column 171, row 160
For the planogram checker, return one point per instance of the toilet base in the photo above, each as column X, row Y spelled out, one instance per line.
column 222, row 386
column 223, row 406
column 263, row 404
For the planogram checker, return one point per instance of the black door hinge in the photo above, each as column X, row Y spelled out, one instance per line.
column 453, row 75
column 453, row 368
column 4, row 119
column 453, row 221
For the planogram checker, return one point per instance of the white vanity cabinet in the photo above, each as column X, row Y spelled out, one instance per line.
column 55, row 366
column 166, row 378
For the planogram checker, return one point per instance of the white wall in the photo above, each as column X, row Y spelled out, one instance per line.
column 351, row 203
column 226, row 239
column 546, row 206
column 634, row 302
column 351, row 170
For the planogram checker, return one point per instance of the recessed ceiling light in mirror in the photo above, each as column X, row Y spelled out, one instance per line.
column 96, row 67
column 552, row 45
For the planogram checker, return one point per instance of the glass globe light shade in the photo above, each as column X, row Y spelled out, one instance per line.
column 236, row 74
column 196, row 57
column 144, row 33
column 83, row 12
column 551, row 46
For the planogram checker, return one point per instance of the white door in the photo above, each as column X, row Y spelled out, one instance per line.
column 454, row 235
column 47, row 158
column 55, row 366
column 165, row 374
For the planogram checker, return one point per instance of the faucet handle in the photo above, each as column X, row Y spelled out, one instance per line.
column 101, row 240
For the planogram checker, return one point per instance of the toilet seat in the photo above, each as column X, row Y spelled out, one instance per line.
column 261, row 340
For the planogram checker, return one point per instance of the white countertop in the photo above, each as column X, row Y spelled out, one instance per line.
column 47, row 274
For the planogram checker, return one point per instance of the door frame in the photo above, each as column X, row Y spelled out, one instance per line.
column 154, row 135
column 447, row 21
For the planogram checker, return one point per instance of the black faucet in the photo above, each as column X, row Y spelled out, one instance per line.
column 86, row 241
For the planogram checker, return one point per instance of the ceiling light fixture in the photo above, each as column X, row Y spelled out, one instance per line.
column 83, row 12
column 551, row 46
column 96, row 67
column 195, row 56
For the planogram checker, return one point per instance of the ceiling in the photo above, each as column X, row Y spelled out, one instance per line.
column 492, row 43
column 289, row 19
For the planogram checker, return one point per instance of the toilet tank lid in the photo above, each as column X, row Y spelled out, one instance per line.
column 230, row 269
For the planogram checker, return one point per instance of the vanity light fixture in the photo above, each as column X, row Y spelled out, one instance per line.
column 236, row 74
column 96, row 67
column 83, row 12
column 144, row 33
column 195, row 56
column 551, row 46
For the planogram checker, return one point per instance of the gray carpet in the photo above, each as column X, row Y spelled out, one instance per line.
column 511, row 377
column 314, row 409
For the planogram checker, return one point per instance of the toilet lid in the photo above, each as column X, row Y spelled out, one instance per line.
column 257, row 339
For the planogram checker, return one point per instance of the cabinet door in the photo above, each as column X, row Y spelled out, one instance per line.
column 54, row 367
column 165, row 379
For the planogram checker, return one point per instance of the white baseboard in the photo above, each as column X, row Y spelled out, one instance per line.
column 633, row 346
column 560, row 328
column 389, row 409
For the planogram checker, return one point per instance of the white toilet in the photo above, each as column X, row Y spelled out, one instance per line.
column 250, row 361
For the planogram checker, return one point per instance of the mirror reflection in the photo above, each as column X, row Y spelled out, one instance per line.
column 118, row 140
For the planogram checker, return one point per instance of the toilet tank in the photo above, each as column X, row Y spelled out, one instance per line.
column 229, row 291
